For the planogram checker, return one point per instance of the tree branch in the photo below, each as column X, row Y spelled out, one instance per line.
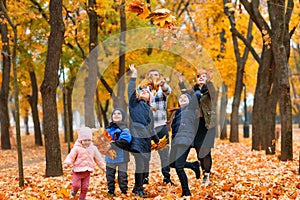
column 247, row 43
column 40, row 9
column 76, row 32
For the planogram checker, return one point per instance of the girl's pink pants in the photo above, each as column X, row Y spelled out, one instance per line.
column 81, row 180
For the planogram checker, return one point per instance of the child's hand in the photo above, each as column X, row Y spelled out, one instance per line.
column 133, row 70
column 180, row 78
column 66, row 165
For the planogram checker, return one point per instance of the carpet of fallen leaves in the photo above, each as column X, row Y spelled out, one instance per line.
column 237, row 173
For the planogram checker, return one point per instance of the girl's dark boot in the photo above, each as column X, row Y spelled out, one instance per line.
column 184, row 182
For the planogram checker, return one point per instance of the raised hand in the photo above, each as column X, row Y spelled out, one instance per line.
column 133, row 70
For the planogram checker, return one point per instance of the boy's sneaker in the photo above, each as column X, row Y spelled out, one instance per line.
column 72, row 194
column 205, row 180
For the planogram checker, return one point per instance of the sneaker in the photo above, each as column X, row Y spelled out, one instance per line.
column 72, row 194
column 196, row 169
column 146, row 181
column 205, row 180
column 167, row 181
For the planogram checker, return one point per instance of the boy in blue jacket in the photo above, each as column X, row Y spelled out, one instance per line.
column 121, row 139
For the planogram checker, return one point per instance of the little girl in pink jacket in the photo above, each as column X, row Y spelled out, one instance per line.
column 83, row 157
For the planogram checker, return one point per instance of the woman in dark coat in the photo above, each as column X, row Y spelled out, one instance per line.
column 206, row 130
column 141, row 129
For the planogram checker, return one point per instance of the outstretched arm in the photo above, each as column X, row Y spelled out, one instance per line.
column 132, row 85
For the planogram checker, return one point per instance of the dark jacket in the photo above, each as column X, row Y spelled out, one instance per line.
column 183, row 124
column 207, row 99
column 121, row 137
column 141, row 122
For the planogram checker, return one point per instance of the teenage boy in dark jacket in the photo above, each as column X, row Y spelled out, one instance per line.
column 141, row 129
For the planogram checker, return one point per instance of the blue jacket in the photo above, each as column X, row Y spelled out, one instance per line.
column 121, row 137
column 141, row 122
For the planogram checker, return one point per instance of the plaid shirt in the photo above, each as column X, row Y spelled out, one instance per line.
column 159, row 103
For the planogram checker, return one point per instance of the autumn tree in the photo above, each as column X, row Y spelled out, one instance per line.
column 91, row 66
column 273, row 78
column 240, row 62
column 48, row 90
column 120, row 100
column 4, row 92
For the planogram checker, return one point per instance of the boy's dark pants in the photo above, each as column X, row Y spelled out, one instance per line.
column 122, row 176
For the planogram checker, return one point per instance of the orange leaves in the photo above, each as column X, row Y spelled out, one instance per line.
column 3, row 196
column 103, row 140
column 237, row 173
column 140, row 8
column 163, row 18
column 160, row 17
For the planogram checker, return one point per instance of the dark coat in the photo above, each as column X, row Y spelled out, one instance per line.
column 183, row 124
column 141, row 122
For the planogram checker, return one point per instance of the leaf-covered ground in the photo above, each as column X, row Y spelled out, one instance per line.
column 237, row 173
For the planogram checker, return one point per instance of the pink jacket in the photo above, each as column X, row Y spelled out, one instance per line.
column 84, row 159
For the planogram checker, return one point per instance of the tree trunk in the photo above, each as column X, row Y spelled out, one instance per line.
column 297, row 110
column 26, row 122
column 70, row 111
column 223, row 123
column 16, row 93
column 48, row 90
column 33, row 101
column 99, row 111
column 4, row 92
column 234, row 122
column 68, row 114
column 121, row 81
column 91, row 64
column 281, row 50
column 263, row 114
column 240, row 61
column 104, row 111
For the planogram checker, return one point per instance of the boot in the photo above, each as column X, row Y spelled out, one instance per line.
column 186, row 193
column 167, row 180
column 196, row 169
column 184, row 182
column 195, row 166
column 205, row 180
column 139, row 191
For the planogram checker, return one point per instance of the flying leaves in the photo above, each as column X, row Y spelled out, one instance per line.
column 160, row 17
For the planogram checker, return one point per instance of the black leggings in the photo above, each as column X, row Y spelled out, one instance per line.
column 204, row 156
